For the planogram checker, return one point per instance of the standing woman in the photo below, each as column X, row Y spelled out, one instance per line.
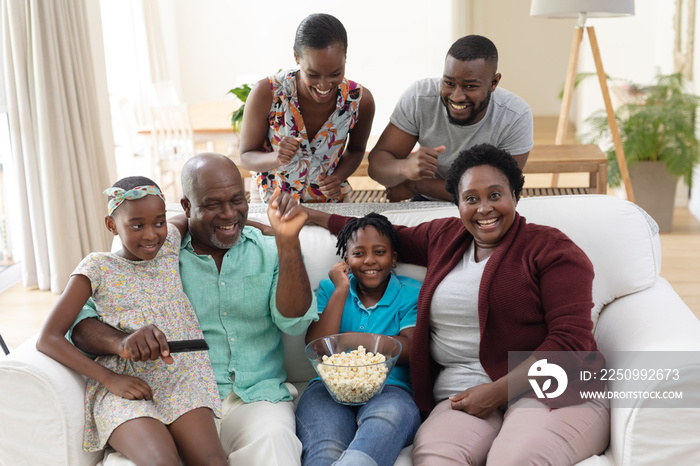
column 305, row 130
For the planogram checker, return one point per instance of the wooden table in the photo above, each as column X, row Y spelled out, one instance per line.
column 570, row 158
column 212, row 121
column 210, row 125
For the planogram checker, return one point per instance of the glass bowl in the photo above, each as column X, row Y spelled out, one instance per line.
column 353, row 380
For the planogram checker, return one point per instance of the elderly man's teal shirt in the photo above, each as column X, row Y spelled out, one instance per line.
column 238, row 314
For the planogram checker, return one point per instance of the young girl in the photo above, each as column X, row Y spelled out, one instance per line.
column 149, row 411
column 362, row 295
column 305, row 130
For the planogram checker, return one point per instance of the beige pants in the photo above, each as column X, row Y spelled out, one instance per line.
column 528, row 433
column 260, row 433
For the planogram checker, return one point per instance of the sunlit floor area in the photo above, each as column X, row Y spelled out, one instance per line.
column 680, row 261
column 23, row 312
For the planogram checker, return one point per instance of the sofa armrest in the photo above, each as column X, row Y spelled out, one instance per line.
column 43, row 411
column 655, row 319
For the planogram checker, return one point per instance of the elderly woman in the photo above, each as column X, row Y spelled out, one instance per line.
column 496, row 283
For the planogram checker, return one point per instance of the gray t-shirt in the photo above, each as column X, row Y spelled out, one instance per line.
column 507, row 123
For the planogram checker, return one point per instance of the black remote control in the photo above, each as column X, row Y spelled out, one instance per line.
column 181, row 346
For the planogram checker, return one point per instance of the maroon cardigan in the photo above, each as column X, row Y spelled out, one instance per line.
column 540, row 300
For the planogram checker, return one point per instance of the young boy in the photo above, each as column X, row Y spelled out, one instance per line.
column 362, row 295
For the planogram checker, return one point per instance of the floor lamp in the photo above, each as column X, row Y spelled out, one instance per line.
column 583, row 9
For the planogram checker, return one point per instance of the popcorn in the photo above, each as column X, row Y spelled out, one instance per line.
column 357, row 377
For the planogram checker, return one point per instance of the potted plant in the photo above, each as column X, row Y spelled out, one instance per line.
column 241, row 93
column 657, row 129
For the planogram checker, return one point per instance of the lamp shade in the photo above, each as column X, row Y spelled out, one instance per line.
column 573, row 8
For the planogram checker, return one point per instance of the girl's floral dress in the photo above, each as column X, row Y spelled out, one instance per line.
column 129, row 295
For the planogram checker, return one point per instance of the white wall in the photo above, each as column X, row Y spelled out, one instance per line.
column 634, row 48
column 533, row 52
column 214, row 45
column 221, row 44
column 694, row 203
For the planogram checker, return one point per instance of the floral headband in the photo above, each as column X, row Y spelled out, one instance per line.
column 117, row 195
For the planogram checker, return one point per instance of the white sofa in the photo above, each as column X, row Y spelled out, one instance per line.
column 635, row 310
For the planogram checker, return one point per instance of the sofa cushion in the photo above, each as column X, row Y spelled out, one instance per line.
column 621, row 240
column 41, row 397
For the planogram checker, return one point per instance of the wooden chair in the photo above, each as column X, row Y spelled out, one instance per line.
column 172, row 143
column 164, row 93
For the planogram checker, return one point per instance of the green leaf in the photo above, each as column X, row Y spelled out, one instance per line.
column 241, row 92
column 237, row 118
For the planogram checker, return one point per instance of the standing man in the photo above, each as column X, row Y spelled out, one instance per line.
column 446, row 116
column 246, row 289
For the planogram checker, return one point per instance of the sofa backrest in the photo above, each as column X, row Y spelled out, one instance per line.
column 620, row 239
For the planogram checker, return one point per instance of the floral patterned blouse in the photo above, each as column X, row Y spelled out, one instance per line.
column 318, row 156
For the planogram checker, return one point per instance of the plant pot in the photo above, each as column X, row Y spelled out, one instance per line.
column 654, row 191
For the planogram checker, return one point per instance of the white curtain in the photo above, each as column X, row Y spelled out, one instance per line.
column 58, row 137
column 154, row 39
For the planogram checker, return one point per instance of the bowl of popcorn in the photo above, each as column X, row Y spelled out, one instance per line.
column 354, row 366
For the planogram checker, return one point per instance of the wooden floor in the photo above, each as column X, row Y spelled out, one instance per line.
column 680, row 258
column 22, row 311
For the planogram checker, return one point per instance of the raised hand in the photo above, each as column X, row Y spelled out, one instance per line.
column 340, row 274
column 286, row 215
column 423, row 163
column 287, row 149
column 146, row 344
column 329, row 185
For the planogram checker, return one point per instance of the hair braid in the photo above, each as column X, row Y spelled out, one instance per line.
column 380, row 222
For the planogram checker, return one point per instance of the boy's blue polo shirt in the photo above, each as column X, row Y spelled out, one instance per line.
column 393, row 313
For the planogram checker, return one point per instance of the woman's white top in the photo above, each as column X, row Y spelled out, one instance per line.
column 454, row 328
